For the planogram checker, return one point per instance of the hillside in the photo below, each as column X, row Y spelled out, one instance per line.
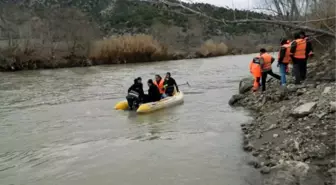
column 123, row 14
column 73, row 25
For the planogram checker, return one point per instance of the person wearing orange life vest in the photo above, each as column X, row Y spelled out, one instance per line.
column 299, row 52
column 256, row 72
column 309, row 44
column 266, row 61
column 159, row 82
column 284, row 59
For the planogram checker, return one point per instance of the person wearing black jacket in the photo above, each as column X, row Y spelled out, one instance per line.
column 135, row 94
column 169, row 85
column 137, row 87
column 153, row 93
column 299, row 52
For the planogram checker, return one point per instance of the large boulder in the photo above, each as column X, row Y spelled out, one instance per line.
column 235, row 98
column 293, row 173
column 304, row 110
column 333, row 106
column 245, row 85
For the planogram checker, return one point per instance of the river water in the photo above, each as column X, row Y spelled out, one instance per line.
column 59, row 127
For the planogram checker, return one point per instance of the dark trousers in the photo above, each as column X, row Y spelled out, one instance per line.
column 133, row 102
column 170, row 91
column 299, row 69
column 264, row 78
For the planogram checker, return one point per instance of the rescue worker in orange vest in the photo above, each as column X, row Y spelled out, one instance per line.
column 284, row 59
column 304, row 36
column 256, row 72
column 159, row 82
column 299, row 53
column 266, row 61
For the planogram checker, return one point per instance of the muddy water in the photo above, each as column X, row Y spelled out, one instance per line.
column 58, row 127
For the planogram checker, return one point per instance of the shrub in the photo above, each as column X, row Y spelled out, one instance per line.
column 210, row 49
column 128, row 49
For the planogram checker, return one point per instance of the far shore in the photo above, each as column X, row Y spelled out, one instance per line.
column 140, row 48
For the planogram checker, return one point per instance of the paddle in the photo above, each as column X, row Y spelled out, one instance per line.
column 187, row 83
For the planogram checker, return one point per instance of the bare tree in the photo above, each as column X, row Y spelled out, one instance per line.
column 287, row 13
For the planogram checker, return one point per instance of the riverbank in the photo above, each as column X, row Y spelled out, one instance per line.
column 139, row 48
column 292, row 135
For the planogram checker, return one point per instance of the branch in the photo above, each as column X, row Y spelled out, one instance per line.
column 288, row 24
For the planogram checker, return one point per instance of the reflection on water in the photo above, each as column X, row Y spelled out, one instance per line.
column 58, row 127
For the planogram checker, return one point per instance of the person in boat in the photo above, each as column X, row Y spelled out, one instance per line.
column 135, row 94
column 159, row 82
column 169, row 85
column 153, row 93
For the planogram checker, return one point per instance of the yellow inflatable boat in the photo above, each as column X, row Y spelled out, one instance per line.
column 153, row 106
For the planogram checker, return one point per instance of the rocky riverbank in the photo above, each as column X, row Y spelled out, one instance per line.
column 292, row 135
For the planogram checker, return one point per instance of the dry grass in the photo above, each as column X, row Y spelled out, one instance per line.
column 32, row 54
column 128, row 49
column 211, row 49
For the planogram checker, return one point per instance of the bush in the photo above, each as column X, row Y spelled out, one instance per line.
column 128, row 49
column 33, row 54
column 211, row 49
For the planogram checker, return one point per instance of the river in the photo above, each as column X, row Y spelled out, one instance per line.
column 59, row 127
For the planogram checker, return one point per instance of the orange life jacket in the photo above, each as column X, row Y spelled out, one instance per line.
column 267, row 61
column 160, row 85
column 301, row 45
column 287, row 57
column 255, row 67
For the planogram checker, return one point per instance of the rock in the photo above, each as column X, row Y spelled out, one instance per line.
column 332, row 171
column 332, row 106
column 321, row 115
column 249, row 147
column 245, row 85
column 271, row 127
column 300, row 92
column 254, row 163
column 255, row 153
column 265, row 170
column 258, row 134
column 317, row 150
column 275, row 135
column 235, row 98
column 326, row 90
column 304, row 110
column 294, row 173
